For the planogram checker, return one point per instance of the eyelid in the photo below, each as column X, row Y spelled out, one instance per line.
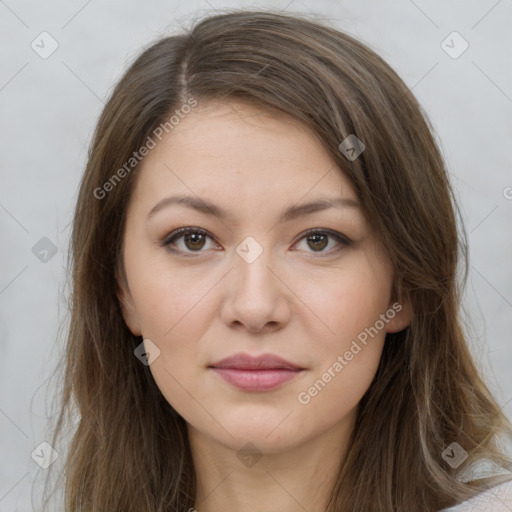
column 178, row 233
column 334, row 234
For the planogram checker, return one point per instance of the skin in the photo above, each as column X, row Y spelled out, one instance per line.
column 300, row 300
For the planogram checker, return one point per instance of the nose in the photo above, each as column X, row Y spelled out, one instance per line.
column 256, row 295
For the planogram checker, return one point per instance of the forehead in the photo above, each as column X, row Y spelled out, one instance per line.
column 237, row 153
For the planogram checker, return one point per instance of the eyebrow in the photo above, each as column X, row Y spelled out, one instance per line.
column 291, row 213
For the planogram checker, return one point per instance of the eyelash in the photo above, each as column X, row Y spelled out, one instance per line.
column 179, row 233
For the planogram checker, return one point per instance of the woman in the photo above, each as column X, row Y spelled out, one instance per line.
column 265, row 306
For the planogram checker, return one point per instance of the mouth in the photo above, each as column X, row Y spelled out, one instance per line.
column 261, row 373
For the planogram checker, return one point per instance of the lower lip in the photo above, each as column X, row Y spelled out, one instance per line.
column 256, row 380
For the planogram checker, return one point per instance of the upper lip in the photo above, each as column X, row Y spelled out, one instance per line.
column 262, row 362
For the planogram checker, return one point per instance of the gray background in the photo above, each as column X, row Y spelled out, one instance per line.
column 49, row 108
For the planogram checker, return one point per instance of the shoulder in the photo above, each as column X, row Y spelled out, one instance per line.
column 495, row 499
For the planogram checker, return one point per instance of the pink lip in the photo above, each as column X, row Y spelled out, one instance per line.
column 260, row 373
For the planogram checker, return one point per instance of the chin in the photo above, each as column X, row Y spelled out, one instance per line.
column 269, row 434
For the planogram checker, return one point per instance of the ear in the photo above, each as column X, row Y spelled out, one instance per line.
column 128, row 307
column 399, row 314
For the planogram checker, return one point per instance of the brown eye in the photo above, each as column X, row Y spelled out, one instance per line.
column 318, row 242
column 187, row 241
column 194, row 241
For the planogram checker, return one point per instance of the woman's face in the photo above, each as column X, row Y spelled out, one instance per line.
column 253, row 281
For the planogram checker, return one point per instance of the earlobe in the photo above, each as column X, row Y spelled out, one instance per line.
column 128, row 309
column 401, row 317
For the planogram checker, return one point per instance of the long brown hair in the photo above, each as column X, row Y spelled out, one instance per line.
column 130, row 450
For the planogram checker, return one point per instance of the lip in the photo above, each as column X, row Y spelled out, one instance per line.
column 260, row 373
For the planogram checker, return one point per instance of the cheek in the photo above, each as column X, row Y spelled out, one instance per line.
column 348, row 351
column 339, row 386
column 166, row 298
column 345, row 303
column 175, row 313
column 176, row 309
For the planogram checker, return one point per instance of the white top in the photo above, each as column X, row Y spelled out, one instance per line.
column 495, row 499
